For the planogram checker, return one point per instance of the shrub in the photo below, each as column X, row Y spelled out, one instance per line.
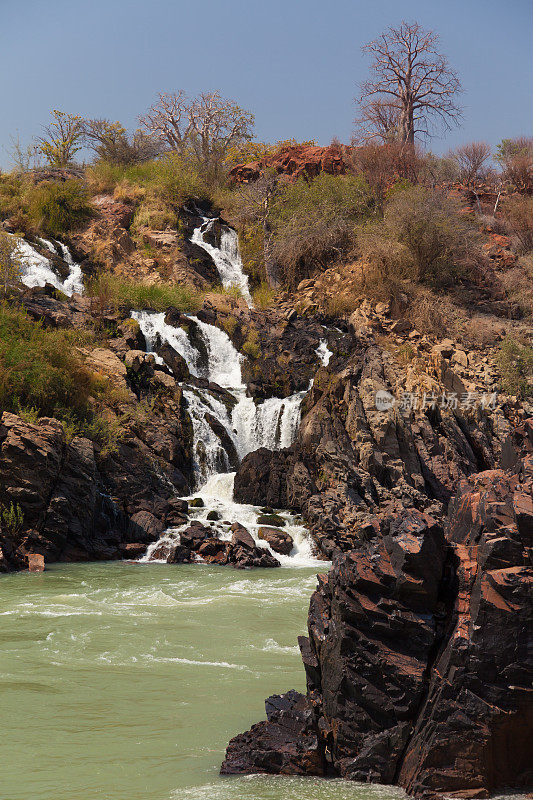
column 515, row 361
column 423, row 237
column 251, row 345
column 518, row 212
column 263, row 296
column 516, row 159
column 40, row 367
column 313, row 223
column 10, row 263
column 56, row 208
column 11, row 518
column 383, row 165
column 155, row 213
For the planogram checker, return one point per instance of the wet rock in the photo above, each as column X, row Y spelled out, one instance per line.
column 241, row 537
column 213, row 516
column 132, row 550
column 193, row 536
column 287, row 743
column 35, row 562
column 243, row 552
column 279, row 541
column 271, row 519
column 179, row 554
column 148, row 523
column 196, row 502
column 417, row 662
column 174, row 360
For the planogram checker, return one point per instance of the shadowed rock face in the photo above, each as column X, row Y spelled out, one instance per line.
column 353, row 465
column 75, row 509
column 419, row 658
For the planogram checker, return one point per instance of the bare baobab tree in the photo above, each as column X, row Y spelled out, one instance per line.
column 206, row 127
column 378, row 123
column 411, row 80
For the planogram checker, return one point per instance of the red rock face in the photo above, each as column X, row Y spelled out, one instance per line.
column 295, row 161
column 474, row 732
column 419, row 659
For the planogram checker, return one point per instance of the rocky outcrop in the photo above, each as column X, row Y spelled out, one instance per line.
column 72, row 501
column 418, row 661
column 295, row 161
column 58, row 507
column 286, row 744
column 353, row 463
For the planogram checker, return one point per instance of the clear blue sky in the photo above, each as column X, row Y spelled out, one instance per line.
column 293, row 63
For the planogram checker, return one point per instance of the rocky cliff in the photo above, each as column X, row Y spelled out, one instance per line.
column 419, row 663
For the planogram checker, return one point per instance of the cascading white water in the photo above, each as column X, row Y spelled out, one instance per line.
column 153, row 326
column 272, row 423
column 37, row 269
column 217, row 494
column 323, row 352
column 227, row 258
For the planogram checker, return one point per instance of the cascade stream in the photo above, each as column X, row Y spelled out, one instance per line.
column 272, row 423
column 38, row 269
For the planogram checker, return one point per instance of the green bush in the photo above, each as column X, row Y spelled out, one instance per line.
column 11, row 518
column 171, row 179
column 515, row 362
column 40, row 368
column 56, row 208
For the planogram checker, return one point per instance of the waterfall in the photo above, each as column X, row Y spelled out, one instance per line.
column 249, row 425
column 217, row 494
column 156, row 331
column 223, row 417
column 38, row 270
column 227, row 258
column 323, row 352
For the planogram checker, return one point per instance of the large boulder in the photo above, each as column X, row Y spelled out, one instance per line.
column 279, row 541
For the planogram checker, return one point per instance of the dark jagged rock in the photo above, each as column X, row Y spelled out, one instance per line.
column 418, row 661
column 352, row 463
column 76, row 506
column 175, row 361
column 243, row 553
column 65, row 513
column 286, row 744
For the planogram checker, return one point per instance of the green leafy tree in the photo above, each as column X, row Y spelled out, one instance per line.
column 62, row 139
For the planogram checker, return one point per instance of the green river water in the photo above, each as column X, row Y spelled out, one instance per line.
column 126, row 681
